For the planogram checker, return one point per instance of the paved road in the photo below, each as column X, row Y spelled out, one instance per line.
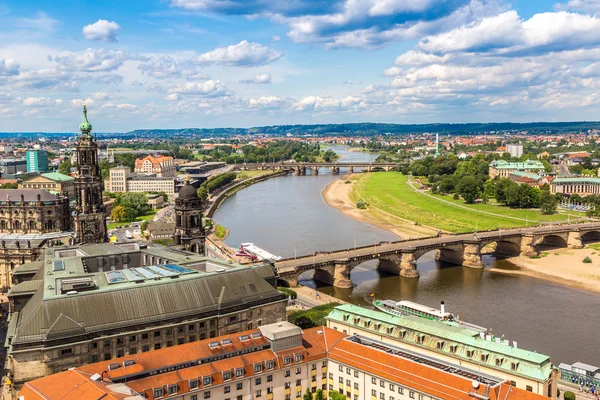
column 289, row 265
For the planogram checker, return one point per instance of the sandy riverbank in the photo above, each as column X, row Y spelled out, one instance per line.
column 561, row 265
column 337, row 194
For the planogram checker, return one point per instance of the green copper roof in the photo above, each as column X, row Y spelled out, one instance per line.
column 85, row 126
column 528, row 363
column 58, row 177
column 577, row 180
column 524, row 174
column 529, row 164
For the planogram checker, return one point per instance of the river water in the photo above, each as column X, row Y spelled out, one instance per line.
column 287, row 216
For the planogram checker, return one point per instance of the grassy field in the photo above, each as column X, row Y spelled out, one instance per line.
column 251, row 174
column 390, row 193
column 147, row 217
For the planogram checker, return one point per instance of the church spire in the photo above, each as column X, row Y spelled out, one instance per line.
column 85, row 127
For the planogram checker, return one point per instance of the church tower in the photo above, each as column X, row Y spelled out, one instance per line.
column 189, row 231
column 89, row 216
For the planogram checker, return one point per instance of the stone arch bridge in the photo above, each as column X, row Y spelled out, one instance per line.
column 465, row 249
column 300, row 168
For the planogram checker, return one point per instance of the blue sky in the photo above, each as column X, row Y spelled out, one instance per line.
column 214, row 63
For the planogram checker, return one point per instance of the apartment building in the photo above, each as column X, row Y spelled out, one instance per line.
column 275, row 362
column 121, row 180
column 159, row 165
column 451, row 342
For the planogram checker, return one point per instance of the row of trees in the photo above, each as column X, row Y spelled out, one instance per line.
column 214, row 183
column 320, row 395
column 280, row 150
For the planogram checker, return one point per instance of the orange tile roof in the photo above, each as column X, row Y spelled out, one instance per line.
column 159, row 368
column 155, row 160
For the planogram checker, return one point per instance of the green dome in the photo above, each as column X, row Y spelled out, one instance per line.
column 85, row 125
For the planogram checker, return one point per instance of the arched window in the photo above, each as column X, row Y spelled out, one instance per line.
column 32, row 225
column 17, row 224
column 178, row 221
column 50, row 225
column 3, row 225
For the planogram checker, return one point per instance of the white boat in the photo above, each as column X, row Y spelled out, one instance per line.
column 255, row 253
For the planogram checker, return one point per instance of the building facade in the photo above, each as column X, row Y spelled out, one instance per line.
column 29, row 220
column 514, row 149
column 159, row 165
column 102, row 301
column 12, row 167
column 121, row 180
column 89, row 218
column 527, row 370
column 37, row 160
column 189, row 229
column 276, row 362
column 503, row 169
column 53, row 182
column 583, row 186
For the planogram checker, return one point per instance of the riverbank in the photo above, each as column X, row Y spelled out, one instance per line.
column 338, row 195
column 564, row 266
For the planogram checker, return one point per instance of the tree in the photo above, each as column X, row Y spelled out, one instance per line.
column 548, row 202
column 334, row 395
column 307, row 395
column 468, row 189
column 135, row 204
column 65, row 167
column 118, row 214
column 569, row 396
column 319, row 395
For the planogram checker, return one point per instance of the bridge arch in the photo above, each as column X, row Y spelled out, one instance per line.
column 590, row 237
column 552, row 241
column 502, row 248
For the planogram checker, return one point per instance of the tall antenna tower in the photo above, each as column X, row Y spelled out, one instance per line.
column 437, row 145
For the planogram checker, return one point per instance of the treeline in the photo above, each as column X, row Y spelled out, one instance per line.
column 281, row 150
column 215, row 183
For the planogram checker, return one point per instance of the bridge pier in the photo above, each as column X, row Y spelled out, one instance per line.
column 574, row 240
column 335, row 170
column 316, row 170
column 528, row 246
column 291, row 280
column 351, row 169
column 408, row 266
column 341, row 275
column 472, row 255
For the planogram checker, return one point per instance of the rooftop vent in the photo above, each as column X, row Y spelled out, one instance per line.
column 213, row 345
column 114, row 366
column 225, row 342
column 128, row 363
column 77, row 284
column 95, row 377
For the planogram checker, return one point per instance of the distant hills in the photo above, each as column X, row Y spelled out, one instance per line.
column 352, row 129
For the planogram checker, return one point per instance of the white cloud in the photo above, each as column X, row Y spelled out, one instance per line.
column 102, row 31
column 276, row 38
column 41, row 102
column 589, row 6
column 244, row 54
column 258, row 79
column 209, row 88
column 92, row 60
column 166, row 67
column 269, row 103
column 8, row 67
column 41, row 21
column 352, row 82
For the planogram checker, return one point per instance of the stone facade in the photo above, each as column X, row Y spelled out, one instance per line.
column 189, row 230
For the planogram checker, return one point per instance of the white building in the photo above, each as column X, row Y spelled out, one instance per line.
column 515, row 150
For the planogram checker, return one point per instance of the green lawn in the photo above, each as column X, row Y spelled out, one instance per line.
column 252, row 173
column 389, row 192
column 148, row 217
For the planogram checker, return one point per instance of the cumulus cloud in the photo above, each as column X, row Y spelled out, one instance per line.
column 8, row 67
column 243, row 54
column 209, row 88
column 92, row 60
column 167, row 67
column 258, row 79
column 102, row 31
column 269, row 103
column 41, row 102
column 590, row 6
column 352, row 23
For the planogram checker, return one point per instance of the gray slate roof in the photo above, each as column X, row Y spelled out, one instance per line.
column 150, row 302
column 29, row 194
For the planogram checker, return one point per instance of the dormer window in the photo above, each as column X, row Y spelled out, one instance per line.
column 298, row 357
column 258, row 368
column 514, row 366
column 270, row 365
column 206, row 380
column 226, row 375
column 499, row 362
column 287, row 360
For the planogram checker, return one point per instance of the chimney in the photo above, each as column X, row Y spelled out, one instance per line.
column 442, row 309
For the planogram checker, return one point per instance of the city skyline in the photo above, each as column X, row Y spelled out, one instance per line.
column 204, row 63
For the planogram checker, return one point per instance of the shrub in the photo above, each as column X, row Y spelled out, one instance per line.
column 288, row 292
column 361, row 204
column 348, row 182
column 456, row 196
column 569, row 396
column 312, row 317
column 587, row 260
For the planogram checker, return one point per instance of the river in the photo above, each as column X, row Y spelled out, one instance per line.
column 287, row 215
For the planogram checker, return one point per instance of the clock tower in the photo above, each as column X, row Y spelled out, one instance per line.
column 89, row 216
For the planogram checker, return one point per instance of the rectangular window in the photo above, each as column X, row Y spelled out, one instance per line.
column 227, row 389
column 269, row 378
column 206, row 380
column 158, row 392
column 298, row 357
column 239, row 372
column 257, row 381
column 172, row 389
column 207, row 395
column 270, row 364
column 238, row 386
column 374, row 381
column 66, row 351
column 194, row 384
column 287, row 360
column 226, row 375
column 258, row 368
